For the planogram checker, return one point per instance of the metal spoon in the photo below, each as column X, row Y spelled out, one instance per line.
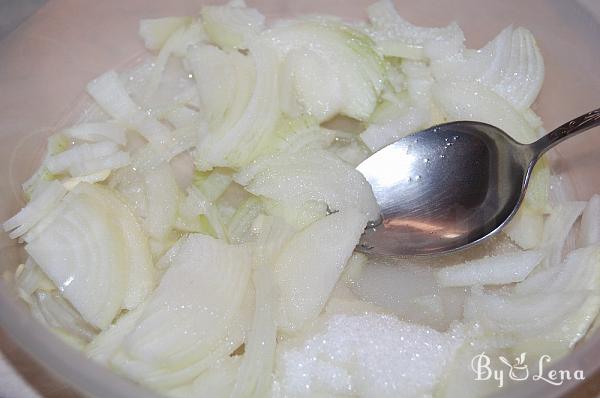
column 453, row 185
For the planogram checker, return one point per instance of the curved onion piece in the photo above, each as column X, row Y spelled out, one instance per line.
column 82, row 251
column 579, row 273
column 551, row 310
column 239, row 227
column 177, row 44
column 152, row 195
column 96, row 132
column 71, row 183
column 308, row 85
column 495, row 270
column 214, row 71
column 108, row 91
column 218, row 381
column 254, row 377
column 310, row 264
column 29, row 278
column 103, row 347
column 197, row 204
column 156, row 32
column 163, row 378
column 237, row 144
column 273, row 233
column 58, row 313
column 522, row 314
column 297, row 215
column 225, row 82
column 376, row 136
column 82, row 157
column 398, row 38
column 511, row 65
column 231, row 25
column 190, row 313
column 350, row 66
column 141, row 273
column 473, row 101
column 311, row 138
column 557, row 228
column 309, row 175
column 91, row 167
column 38, row 208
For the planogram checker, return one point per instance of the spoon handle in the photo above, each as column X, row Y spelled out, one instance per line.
column 567, row 130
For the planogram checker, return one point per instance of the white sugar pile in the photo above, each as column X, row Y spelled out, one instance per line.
column 369, row 355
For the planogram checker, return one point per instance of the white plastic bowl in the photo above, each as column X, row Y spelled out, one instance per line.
column 46, row 62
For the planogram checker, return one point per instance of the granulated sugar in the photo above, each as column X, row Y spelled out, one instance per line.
column 369, row 355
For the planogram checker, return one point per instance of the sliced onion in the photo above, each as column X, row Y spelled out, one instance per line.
column 472, row 101
column 351, row 69
column 38, row 208
column 526, row 314
column 167, row 378
column 236, row 145
column 218, row 381
column 152, row 195
column 190, row 312
column 197, row 204
column 214, row 184
column 142, row 276
column 232, row 25
column 177, row 44
column 82, row 252
column 495, row 270
column 29, row 278
column 254, row 378
column 58, row 313
column 311, row 263
column 110, row 94
column 156, row 32
column 239, row 228
column 510, row 65
column 151, row 129
column 377, row 136
column 272, row 234
column 557, row 228
column 96, row 132
column 398, row 37
column 224, row 80
column 297, row 215
column 308, row 85
column 104, row 346
column 79, row 155
column 97, row 165
column 304, row 137
column 309, row 175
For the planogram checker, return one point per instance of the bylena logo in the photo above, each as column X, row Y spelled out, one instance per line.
column 518, row 370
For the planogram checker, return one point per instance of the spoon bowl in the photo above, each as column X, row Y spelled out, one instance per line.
column 451, row 186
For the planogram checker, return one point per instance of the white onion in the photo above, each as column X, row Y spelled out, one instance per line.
column 82, row 251
column 311, row 263
column 39, row 207
column 232, row 25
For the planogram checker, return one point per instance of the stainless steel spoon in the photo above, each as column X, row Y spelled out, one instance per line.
column 453, row 185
